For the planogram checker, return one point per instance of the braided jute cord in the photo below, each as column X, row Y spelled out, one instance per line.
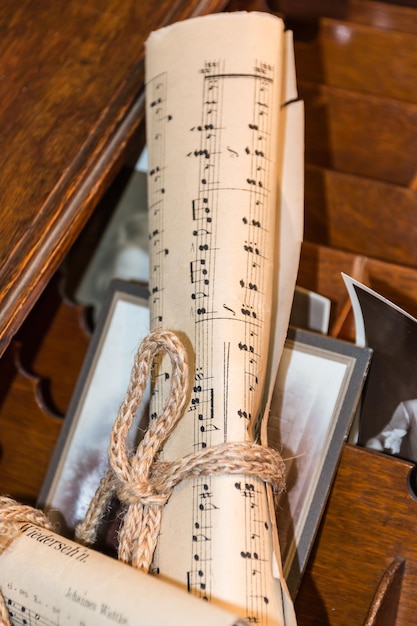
column 12, row 516
column 143, row 483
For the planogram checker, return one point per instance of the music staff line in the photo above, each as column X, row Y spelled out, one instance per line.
column 20, row 615
column 257, row 76
column 215, row 146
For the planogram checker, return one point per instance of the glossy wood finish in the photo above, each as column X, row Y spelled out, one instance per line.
column 71, row 107
column 362, row 58
column 360, row 206
column 398, row 15
column 371, row 519
column 28, row 431
column 384, row 608
column 360, row 134
column 382, row 15
column 343, row 209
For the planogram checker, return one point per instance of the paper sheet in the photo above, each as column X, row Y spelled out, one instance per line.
column 47, row 580
column 224, row 232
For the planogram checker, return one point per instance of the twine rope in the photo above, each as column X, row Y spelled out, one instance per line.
column 12, row 516
column 143, row 483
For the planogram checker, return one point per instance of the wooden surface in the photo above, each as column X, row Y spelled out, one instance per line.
column 371, row 519
column 383, row 15
column 28, row 432
column 321, row 270
column 342, row 210
column 38, row 373
column 359, row 133
column 363, row 58
column 384, row 607
column 360, row 201
column 53, row 342
column 71, row 106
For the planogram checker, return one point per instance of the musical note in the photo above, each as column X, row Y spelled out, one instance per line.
column 217, row 219
column 22, row 615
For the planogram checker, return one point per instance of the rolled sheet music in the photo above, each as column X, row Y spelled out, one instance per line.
column 48, row 580
column 224, row 252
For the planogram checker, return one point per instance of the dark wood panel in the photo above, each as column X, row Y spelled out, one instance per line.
column 362, row 58
column 321, row 270
column 395, row 282
column 53, row 343
column 306, row 10
column 71, row 104
column 385, row 15
column 360, row 133
column 370, row 519
column 362, row 215
column 28, row 432
column 382, row 15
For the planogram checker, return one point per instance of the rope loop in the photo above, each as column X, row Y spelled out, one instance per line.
column 142, row 482
column 12, row 516
column 129, row 474
column 141, row 492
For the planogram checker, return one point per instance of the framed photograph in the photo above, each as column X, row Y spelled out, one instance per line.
column 388, row 416
column 80, row 457
column 316, row 395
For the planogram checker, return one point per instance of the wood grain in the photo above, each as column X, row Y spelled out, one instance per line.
column 28, row 432
column 361, row 58
column 359, row 133
column 53, row 342
column 385, row 15
column 320, row 271
column 71, row 110
column 382, row 15
column 71, row 107
column 358, row 214
column 369, row 521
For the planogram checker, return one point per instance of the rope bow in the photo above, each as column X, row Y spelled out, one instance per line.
column 142, row 482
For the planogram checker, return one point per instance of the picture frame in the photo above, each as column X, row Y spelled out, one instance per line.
column 80, row 456
column 316, row 395
column 387, row 419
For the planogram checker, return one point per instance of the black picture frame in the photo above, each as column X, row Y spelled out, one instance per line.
column 80, row 456
column 316, row 395
column 307, row 356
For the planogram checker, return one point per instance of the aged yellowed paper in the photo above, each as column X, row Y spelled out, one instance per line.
column 225, row 183
column 49, row 580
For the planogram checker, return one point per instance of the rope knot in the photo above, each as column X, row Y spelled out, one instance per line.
column 143, row 483
column 142, row 492
column 130, row 475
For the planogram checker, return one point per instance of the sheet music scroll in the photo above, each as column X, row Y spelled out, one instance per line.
column 215, row 86
column 49, row 581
